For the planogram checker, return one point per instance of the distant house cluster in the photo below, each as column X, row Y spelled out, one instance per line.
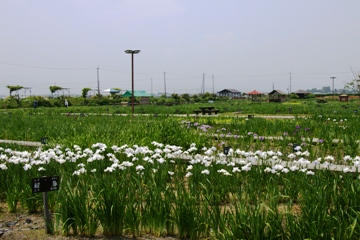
column 273, row 96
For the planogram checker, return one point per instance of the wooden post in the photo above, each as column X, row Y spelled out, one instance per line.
column 44, row 185
column 47, row 216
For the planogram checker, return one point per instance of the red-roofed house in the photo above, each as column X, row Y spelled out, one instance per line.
column 255, row 95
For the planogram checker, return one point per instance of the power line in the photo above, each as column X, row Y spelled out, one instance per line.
column 49, row 68
column 111, row 70
column 324, row 73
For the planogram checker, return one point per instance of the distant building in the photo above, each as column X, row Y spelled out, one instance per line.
column 233, row 93
column 344, row 98
column 301, row 93
column 277, row 96
column 255, row 95
column 143, row 95
column 139, row 93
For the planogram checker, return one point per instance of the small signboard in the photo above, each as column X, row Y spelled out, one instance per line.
column 45, row 184
column 296, row 147
column 44, row 140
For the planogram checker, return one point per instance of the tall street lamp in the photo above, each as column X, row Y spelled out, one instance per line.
column 132, row 52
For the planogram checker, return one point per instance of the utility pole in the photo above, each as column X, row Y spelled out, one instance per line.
column 213, row 83
column 203, row 85
column 333, row 87
column 165, row 84
column 98, row 82
column 290, row 83
column 151, row 88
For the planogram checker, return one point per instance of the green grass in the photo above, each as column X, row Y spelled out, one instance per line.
column 120, row 174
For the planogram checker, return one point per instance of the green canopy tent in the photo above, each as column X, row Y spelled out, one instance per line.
column 143, row 95
column 139, row 93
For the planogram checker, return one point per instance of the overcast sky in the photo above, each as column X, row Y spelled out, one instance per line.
column 237, row 44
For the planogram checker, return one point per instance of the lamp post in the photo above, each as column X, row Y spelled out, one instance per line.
column 333, row 86
column 132, row 52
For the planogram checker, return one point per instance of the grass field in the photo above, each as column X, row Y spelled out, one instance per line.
column 122, row 174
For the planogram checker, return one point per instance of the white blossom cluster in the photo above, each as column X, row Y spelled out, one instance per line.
column 211, row 160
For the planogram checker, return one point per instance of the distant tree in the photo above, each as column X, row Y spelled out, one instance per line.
column 294, row 96
column 206, row 96
column 195, row 98
column 162, row 99
column 175, row 96
column 213, row 96
column 354, row 84
column 54, row 89
column 186, row 96
column 14, row 88
column 310, row 95
column 152, row 99
column 85, row 92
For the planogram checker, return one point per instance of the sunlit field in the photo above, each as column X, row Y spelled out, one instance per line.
column 168, row 172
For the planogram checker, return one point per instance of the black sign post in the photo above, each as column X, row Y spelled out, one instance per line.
column 296, row 147
column 226, row 150
column 44, row 185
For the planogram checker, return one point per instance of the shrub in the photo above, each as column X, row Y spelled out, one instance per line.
column 12, row 102
column 294, row 96
column 310, row 95
column 43, row 102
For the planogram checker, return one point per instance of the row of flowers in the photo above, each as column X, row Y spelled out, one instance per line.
column 123, row 157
